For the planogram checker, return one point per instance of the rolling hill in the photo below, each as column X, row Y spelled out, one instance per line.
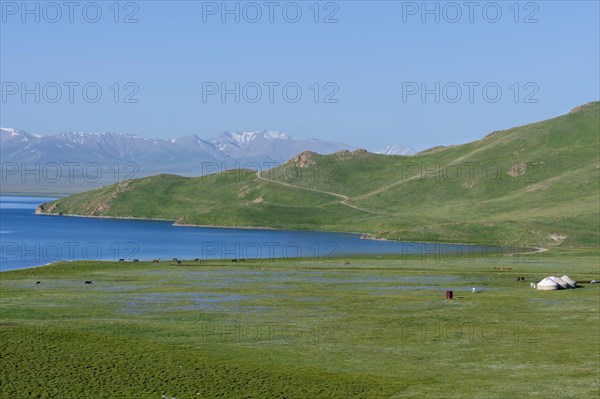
column 534, row 185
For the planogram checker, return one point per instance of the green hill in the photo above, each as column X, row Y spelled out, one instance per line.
column 537, row 184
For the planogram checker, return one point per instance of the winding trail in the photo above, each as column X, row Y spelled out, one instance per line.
column 343, row 198
column 414, row 177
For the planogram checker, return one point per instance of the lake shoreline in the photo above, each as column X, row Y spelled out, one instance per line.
column 363, row 236
column 113, row 240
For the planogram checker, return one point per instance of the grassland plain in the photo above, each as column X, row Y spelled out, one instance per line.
column 379, row 328
column 534, row 185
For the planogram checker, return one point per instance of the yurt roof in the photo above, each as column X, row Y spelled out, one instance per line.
column 569, row 280
column 560, row 281
column 547, row 281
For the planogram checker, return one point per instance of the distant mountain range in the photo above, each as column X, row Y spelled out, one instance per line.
column 186, row 155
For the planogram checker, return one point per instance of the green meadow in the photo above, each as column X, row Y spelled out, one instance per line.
column 377, row 328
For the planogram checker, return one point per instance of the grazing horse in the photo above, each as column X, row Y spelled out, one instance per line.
column 88, row 282
column 121, row 260
column 135, row 260
column 179, row 262
column 242, row 260
column 233, row 260
column 156, row 261
column 347, row 264
column 197, row 260
column 39, row 282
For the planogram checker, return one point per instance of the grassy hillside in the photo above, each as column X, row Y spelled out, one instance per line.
column 531, row 185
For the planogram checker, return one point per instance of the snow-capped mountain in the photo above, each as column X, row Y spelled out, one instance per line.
column 16, row 135
column 103, row 148
column 184, row 155
column 396, row 149
column 267, row 144
column 188, row 155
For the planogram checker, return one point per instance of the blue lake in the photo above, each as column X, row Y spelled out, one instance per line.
column 27, row 240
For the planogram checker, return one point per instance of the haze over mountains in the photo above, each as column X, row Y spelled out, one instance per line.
column 185, row 155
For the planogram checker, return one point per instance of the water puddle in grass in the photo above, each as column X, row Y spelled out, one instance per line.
column 54, row 286
column 125, row 288
column 161, row 301
column 386, row 290
column 223, row 307
column 206, row 301
column 226, row 279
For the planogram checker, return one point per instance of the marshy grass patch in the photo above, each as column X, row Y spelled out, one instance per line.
column 283, row 328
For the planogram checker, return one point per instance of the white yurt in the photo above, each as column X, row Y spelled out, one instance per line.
column 563, row 284
column 547, row 284
column 572, row 283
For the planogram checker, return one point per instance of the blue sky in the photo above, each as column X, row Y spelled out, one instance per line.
column 370, row 68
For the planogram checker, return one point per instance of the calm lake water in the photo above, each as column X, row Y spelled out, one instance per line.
column 27, row 240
